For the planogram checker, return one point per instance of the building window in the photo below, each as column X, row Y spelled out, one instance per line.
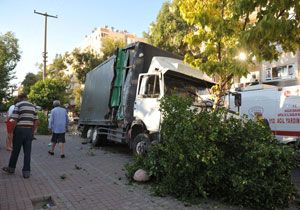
column 103, row 34
column 291, row 70
column 280, row 72
column 268, row 74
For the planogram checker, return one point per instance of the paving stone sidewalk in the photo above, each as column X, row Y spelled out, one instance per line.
column 85, row 179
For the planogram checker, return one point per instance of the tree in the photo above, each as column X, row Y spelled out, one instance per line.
column 109, row 46
column 223, row 29
column 82, row 62
column 169, row 29
column 56, row 68
column 9, row 57
column 77, row 91
column 29, row 80
column 44, row 92
column 276, row 25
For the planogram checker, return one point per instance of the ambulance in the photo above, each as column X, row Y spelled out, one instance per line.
column 279, row 105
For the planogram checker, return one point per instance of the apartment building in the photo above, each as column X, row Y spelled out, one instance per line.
column 93, row 41
column 283, row 72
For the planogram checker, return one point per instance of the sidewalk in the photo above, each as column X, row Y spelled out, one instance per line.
column 85, row 179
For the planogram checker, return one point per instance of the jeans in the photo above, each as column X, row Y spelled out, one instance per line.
column 22, row 137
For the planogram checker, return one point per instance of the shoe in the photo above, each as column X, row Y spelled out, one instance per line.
column 8, row 170
column 62, row 156
column 51, row 153
column 26, row 174
column 33, row 138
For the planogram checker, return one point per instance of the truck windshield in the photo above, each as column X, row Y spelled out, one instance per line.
column 149, row 87
column 184, row 87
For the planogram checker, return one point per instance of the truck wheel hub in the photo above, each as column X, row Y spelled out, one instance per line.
column 94, row 137
column 141, row 148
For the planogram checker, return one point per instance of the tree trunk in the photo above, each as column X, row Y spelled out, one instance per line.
column 221, row 91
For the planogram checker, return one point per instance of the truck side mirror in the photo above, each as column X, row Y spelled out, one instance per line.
column 237, row 99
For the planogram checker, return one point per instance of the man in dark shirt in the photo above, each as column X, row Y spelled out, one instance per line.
column 24, row 119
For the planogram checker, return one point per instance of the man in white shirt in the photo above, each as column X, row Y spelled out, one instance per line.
column 58, row 124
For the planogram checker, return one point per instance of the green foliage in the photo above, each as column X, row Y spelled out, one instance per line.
column 169, row 29
column 5, row 106
column 76, row 94
column 131, row 168
column 276, row 24
column 56, row 68
column 109, row 46
column 214, row 41
column 43, row 124
column 29, row 80
column 203, row 155
column 221, row 30
column 9, row 57
column 43, row 93
column 82, row 62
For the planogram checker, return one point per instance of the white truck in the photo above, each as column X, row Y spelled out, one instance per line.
column 279, row 105
column 121, row 98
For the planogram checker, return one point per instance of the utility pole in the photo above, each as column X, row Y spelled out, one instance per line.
column 45, row 41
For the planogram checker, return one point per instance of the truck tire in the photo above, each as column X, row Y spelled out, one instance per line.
column 141, row 144
column 98, row 140
column 84, row 132
column 90, row 133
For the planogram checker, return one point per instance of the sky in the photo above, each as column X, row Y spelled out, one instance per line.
column 76, row 18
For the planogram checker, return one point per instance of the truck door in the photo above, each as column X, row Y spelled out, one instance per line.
column 146, row 107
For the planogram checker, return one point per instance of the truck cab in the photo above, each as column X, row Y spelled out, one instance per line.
column 121, row 96
column 166, row 77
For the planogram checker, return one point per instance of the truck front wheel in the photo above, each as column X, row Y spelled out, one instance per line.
column 141, row 144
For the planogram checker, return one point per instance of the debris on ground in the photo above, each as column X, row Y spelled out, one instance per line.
column 63, row 176
column 77, row 167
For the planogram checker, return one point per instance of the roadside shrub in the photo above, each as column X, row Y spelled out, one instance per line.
column 43, row 124
column 203, row 155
